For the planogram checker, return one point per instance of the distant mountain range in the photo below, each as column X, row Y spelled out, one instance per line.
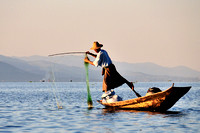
column 71, row 68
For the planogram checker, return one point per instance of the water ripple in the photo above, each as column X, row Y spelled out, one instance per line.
column 24, row 108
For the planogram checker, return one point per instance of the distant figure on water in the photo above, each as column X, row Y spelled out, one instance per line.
column 112, row 79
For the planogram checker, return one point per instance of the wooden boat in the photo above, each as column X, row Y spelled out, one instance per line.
column 160, row 101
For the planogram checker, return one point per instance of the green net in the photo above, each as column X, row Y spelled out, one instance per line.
column 89, row 99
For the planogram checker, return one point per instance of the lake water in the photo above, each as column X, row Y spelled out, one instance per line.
column 31, row 107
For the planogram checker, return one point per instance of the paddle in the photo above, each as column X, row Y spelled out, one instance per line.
column 89, row 98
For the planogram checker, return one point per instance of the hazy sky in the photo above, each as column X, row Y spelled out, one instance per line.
column 163, row 32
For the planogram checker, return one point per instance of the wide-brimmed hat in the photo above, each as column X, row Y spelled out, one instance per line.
column 96, row 45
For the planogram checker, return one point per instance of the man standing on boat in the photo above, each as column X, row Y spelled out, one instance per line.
column 112, row 79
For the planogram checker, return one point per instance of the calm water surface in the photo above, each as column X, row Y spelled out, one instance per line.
column 31, row 107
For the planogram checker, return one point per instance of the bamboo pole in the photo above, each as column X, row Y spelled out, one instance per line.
column 67, row 53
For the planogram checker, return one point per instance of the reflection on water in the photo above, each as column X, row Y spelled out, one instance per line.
column 110, row 110
column 31, row 107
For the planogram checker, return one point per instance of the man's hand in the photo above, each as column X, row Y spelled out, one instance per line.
column 86, row 59
column 87, row 52
column 93, row 55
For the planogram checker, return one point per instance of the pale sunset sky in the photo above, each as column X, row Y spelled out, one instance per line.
column 165, row 32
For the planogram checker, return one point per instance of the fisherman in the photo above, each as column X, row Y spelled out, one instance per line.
column 112, row 79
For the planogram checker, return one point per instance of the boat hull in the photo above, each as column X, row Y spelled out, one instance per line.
column 160, row 101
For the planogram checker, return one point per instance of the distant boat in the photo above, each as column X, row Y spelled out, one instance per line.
column 160, row 101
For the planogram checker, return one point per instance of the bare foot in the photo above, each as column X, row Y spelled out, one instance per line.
column 132, row 86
